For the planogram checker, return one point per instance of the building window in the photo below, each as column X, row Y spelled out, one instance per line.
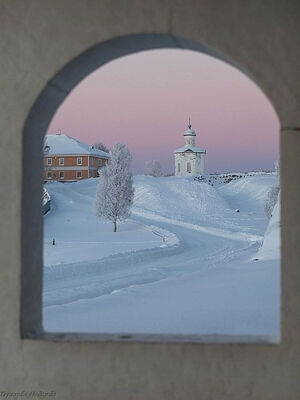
column 178, row 167
column 79, row 160
column 92, row 161
column 99, row 162
column 49, row 161
column 78, row 174
column 49, row 175
column 188, row 167
column 61, row 175
column 61, row 161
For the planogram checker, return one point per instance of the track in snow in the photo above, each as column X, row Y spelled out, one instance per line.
column 211, row 236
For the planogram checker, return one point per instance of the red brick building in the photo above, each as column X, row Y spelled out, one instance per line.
column 68, row 159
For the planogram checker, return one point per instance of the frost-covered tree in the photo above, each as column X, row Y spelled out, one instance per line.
column 101, row 146
column 115, row 190
column 153, row 168
column 271, row 200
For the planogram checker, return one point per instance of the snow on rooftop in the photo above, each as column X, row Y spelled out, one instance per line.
column 191, row 148
column 66, row 145
column 189, row 132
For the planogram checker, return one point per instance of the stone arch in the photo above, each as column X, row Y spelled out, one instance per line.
column 37, row 39
column 37, row 121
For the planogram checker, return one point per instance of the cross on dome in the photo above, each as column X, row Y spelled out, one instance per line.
column 189, row 131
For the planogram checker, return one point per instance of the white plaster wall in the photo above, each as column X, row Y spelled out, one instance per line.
column 179, row 159
column 202, row 163
column 196, row 160
column 189, row 141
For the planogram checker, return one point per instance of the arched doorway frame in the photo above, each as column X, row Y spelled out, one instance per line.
column 36, row 124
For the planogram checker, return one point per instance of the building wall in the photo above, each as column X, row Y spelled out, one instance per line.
column 88, row 168
column 190, row 141
column 38, row 39
column 196, row 161
column 69, row 175
column 69, row 161
column 202, row 163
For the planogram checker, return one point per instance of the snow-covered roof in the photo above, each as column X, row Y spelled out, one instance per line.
column 189, row 132
column 190, row 148
column 66, row 145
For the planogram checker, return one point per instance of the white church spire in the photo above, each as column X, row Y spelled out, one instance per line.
column 189, row 135
column 189, row 159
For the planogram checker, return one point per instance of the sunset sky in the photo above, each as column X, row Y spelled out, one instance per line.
column 145, row 100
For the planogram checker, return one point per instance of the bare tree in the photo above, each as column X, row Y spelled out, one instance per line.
column 153, row 168
column 115, row 190
column 271, row 200
column 101, row 146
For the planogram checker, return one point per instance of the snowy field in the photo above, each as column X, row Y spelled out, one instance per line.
column 80, row 236
column 209, row 275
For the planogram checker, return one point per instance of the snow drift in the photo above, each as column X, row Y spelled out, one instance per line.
column 270, row 249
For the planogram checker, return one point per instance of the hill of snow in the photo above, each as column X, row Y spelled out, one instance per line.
column 181, row 199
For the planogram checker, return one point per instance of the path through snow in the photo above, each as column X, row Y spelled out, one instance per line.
column 205, row 283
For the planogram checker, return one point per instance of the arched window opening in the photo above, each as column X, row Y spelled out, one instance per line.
column 189, row 238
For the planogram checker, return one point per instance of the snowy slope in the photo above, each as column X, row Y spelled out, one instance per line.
column 207, row 283
column 248, row 195
column 181, row 199
column 80, row 236
column 270, row 249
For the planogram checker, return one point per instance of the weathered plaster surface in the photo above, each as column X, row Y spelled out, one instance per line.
column 37, row 39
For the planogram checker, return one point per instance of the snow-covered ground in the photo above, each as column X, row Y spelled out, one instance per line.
column 80, row 236
column 202, row 280
column 270, row 248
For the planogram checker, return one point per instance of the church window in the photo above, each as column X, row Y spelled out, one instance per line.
column 178, row 167
column 188, row 167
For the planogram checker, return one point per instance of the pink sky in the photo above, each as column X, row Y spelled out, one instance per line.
column 145, row 99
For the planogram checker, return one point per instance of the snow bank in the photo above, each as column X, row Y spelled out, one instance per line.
column 180, row 199
column 270, row 249
column 251, row 190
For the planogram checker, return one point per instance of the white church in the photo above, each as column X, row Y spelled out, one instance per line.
column 189, row 159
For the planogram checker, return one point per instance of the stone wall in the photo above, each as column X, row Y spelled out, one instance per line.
column 48, row 47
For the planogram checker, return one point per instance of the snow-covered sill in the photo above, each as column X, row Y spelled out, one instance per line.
column 156, row 338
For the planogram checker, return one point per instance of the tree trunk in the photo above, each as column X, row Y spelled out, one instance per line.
column 115, row 226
